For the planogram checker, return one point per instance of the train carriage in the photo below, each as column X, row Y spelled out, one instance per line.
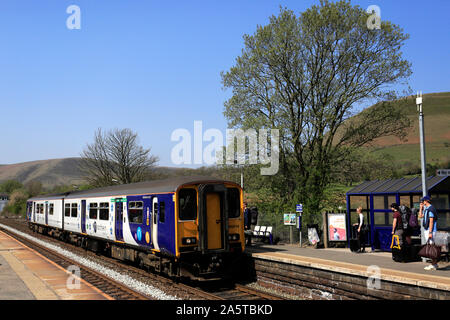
column 184, row 226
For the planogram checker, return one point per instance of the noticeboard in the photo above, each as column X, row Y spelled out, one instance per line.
column 290, row 219
column 337, row 230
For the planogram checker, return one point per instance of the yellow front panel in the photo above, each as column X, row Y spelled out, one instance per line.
column 214, row 222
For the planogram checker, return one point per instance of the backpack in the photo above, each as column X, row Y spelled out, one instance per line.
column 413, row 221
column 406, row 214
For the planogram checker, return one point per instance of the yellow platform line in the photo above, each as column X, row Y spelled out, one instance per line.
column 37, row 287
column 51, row 262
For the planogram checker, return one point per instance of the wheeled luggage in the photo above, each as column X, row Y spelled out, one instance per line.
column 406, row 253
column 354, row 245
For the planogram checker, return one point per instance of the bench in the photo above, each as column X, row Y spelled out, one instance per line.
column 263, row 232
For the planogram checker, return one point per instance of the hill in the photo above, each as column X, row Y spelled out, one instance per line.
column 49, row 172
column 56, row 172
column 436, row 108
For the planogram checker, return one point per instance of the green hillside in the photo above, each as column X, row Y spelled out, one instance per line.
column 436, row 108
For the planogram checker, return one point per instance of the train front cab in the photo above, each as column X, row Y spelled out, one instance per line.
column 210, row 231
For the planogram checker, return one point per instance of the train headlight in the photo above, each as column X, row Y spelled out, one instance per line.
column 189, row 241
column 233, row 237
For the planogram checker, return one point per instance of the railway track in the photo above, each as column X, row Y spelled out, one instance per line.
column 194, row 291
column 106, row 284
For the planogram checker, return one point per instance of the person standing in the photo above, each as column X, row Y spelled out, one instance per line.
column 247, row 225
column 397, row 228
column 429, row 214
column 360, row 230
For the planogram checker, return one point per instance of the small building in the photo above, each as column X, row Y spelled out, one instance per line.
column 4, row 198
column 375, row 197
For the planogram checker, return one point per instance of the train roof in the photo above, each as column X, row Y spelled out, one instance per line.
column 145, row 187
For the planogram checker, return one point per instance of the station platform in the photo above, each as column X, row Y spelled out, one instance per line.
column 343, row 261
column 27, row 275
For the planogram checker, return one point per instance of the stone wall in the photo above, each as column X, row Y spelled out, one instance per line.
column 313, row 283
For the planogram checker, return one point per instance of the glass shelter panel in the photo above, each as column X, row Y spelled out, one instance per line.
column 356, row 201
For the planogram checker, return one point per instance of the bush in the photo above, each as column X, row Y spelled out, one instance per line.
column 17, row 203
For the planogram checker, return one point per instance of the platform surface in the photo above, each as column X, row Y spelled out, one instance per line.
column 343, row 260
column 27, row 275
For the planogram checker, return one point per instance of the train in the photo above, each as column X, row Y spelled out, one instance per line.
column 183, row 227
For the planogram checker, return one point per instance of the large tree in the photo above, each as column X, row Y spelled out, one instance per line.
column 304, row 76
column 116, row 157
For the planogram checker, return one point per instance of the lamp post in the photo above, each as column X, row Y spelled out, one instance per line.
column 422, row 158
column 422, row 144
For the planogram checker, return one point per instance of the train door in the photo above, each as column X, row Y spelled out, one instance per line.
column 83, row 216
column 46, row 213
column 147, row 219
column 34, row 211
column 213, row 221
column 119, row 219
column 155, row 223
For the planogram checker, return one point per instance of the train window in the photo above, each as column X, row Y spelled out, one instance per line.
column 135, row 211
column 104, row 211
column 93, row 208
column 51, row 207
column 234, row 203
column 67, row 210
column 187, row 203
column 162, row 212
column 74, row 212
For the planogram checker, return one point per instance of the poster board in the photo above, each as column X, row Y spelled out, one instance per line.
column 290, row 219
column 337, row 230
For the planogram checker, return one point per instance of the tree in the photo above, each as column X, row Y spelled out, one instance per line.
column 9, row 186
column 116, row 158
column 17, row 202
column 304, row 76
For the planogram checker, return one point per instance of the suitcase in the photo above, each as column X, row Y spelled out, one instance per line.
column 407, row 253
column 354, row 245
column 400, row 255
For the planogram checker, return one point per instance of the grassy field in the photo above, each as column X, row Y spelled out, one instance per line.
column 436, row 108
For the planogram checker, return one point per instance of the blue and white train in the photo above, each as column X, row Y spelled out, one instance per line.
column 184, row 226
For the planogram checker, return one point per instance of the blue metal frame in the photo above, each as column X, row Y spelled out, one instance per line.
column 384, row 231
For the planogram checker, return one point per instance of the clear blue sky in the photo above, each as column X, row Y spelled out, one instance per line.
column 152, row 66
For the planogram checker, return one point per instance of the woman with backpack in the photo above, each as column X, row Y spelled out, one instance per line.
column 397, row 228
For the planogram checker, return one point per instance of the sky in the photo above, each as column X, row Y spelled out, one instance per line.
column 153, row 66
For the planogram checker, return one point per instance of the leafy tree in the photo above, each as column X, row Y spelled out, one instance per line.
column 304, row 76
column 116, row 158
column 17, row 202
column 9, row 186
